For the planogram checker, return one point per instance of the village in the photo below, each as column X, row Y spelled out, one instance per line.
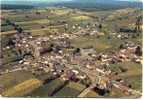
column 56, row 56
column 47, row 55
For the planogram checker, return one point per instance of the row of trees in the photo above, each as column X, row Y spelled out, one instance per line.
column 16, row 27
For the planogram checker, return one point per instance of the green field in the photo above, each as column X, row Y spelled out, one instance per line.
column 11, row 79
column 133, row 75
column 100, row 44
column 48, row 89
column 6, row 28
column 70, row 90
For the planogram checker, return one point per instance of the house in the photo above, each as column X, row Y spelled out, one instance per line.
column 87, row 51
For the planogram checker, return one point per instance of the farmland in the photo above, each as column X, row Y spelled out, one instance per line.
column 66, row 52
column 11, row 79
column 48, row 89
column 70, row 90
column 23, row 88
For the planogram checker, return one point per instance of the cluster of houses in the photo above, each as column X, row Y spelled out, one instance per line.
column 48, row 55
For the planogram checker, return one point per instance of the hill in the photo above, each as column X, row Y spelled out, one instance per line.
column 15, row 6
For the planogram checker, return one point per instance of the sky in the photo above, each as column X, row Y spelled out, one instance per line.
column 34, row 0
column 131, row 0
column 47, row 1
column 38, row 0
column 58, row 0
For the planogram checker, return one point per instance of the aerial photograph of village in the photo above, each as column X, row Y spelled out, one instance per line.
column 71, row 48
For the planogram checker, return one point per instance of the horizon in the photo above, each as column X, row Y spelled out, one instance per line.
column 50, row 1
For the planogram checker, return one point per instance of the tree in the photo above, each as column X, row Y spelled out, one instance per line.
column 42, row 26
column 121, row 46
column 8, row 22
column 38, row 13
column 11, row 42
column 26, row 16
column 138, row 51
column 20, row 30
column 77, row 50
column 100, row 26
